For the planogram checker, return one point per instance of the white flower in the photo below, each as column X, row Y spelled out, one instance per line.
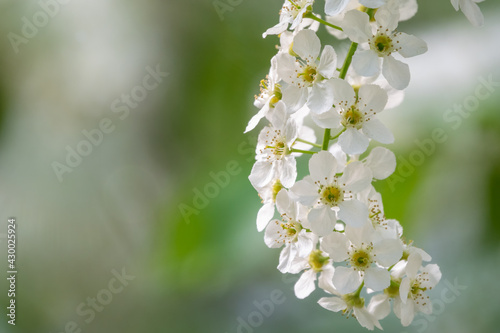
column 382, row 43
column 270, row 94
column 316, row 263
column 289, row 232
column 307, row 77
column 368, row 256
column 471, row 10
column 412, row 290
column 291, row 14
column 405, row 9
column 351, row 304
column 274, row 159
column 357, row 114
column 381, row 161
column 334, row 7
column 268, row 195
column 329, row 193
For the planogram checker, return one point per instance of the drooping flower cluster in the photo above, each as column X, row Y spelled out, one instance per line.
column 332, row 226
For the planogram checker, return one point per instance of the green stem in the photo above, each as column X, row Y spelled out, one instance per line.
column 308, row 142
column 348, row 60
column 312, row 16
column 338, row 134
column 342, row 75
column 302, row 151
column 356, row 294
column 326, row 139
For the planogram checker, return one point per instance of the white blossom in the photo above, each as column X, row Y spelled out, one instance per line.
column 330, row 194
column 381, row 43
column 307, row 77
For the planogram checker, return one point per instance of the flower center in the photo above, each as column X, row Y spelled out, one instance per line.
column 393, row 290
column 331, row 195
column 276, row 188
column 352, row 301
column 317, row 260
column 353, row 118
column 361, row 259
column 382, row 44
column 277, row 95
column 309, row 74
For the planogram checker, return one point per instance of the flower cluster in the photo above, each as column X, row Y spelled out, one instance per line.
column 332, row 226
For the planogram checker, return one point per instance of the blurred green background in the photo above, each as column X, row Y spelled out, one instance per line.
column 120, row 208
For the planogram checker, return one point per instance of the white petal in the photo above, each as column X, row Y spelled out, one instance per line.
column 365, row 319
column 472, row 12
column 334, row 7
column 413, row 265
column 425, row 256
column 404, row 289
column 286, row 258
column 407, row 313
column 377, row 131
column 307, row 45
column 261, row 174
column 272, row 234
column 344, row 92
column 366, row 63
column 396, row 73
column 284, row 203
column 346, row 280
column 356, row 26
column 328, row 62
column 322, row 167
column 382, row 162
column 276, row 30
column 305, row 285
column 377, row 278
column 341, row 157
column 325, row 279
column 334, row 304
column 408, row 9
column 388, row 251
column 433, row 275
column 279, row 116
column 353, row 141
column 321, row 97
column 265, row 215
column 372, row 3
column 353, row 212
column 257, row 117
column 286, row 67
column 387, row 18
column 372, row 98
column 291, row 131
column 357, row 177
column 335, row 244
column 456, row 4
column 329, row 119
column 322, row 220
column 306, row 191
column 288, row 172
column 379, row 306
column 294, row 98
column 410, row 45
